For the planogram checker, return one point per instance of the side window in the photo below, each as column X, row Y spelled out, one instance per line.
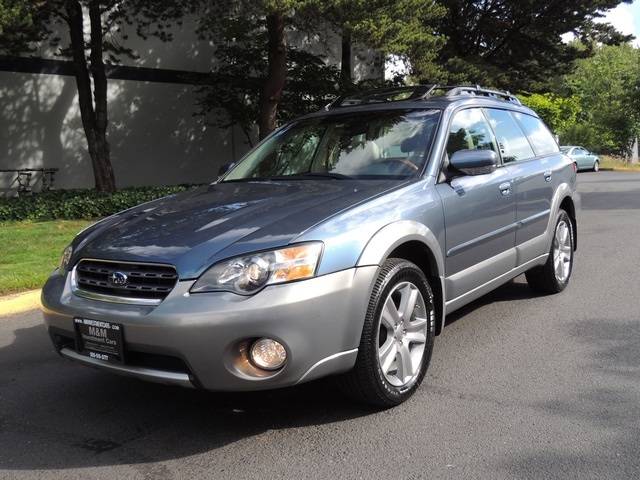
column 512, row 141
column 541, row 138
column 469, row 130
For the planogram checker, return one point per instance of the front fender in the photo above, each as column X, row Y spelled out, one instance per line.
column 413, row 241
column 395, row 234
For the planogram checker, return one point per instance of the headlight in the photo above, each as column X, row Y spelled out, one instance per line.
column 248, row 274
column 65, row 258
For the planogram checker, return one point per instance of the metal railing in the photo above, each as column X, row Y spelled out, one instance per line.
column 24, row 177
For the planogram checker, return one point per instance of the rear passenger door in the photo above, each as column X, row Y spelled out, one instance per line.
column 531, row 154
column 479, row 211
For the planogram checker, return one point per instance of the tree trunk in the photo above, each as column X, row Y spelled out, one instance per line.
column 276, row 76
column 345, row 65
column 94, row 120
column 633, row 158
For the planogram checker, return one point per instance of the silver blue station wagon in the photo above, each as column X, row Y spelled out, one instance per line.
column 336, row 247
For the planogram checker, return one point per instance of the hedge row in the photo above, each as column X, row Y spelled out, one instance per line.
column 78, row 204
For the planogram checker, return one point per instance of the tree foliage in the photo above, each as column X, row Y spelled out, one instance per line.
column 607, row 86
column 215, row 25
column 559, row 113
column 402, row 28
column 518, row 44
column 232, row 90
column 248, row 87
column 22, row 25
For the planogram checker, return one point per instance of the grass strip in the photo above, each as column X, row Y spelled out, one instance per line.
column 32, row 251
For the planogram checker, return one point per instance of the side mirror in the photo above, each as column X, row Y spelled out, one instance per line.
column 225, row 168
column 474, row 162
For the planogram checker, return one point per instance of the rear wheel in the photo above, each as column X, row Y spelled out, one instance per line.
column 553, row 276
column 397, row 338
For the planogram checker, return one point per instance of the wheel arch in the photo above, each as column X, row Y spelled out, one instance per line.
column 416, row 243
column 568, row 206
column 567, row 199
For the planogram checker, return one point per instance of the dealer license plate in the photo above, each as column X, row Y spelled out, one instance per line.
column 99, row 340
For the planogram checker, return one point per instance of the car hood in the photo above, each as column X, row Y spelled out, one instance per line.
column 197, row 228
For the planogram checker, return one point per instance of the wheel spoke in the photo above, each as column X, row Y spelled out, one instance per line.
column 417, row 331
column 562, row 252
column 406, row 365
column 387, row 355
column 409, row 297
column 390, row 314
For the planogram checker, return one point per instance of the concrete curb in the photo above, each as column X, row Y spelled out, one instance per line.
column 19, row 303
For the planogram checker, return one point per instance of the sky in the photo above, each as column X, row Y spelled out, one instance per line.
column 626, row 19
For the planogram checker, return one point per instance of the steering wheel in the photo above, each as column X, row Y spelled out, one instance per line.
column 400, row 165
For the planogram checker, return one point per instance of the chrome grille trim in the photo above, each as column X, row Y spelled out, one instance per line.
column 147, row 283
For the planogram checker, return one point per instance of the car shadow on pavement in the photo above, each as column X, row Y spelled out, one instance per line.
column 514, row 290
column 55, row 414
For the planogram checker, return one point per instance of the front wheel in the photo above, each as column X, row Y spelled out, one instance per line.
column 397, row 337
column 553, row 276
column 596, row 165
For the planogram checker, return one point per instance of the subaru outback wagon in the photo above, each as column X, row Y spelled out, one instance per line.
column 336, row 247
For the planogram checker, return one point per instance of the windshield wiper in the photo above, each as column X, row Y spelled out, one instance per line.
column 326, row 175
column 294, row 176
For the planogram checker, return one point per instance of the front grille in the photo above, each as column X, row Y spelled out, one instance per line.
column 124, row 281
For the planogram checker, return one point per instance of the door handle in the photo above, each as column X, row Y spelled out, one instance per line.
column 547, row 176
column 505, row 188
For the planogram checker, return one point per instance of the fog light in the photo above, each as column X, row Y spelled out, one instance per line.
column 268, row 354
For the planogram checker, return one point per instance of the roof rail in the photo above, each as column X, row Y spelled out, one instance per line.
column 414, row 93
column 383, row 95
column 478, row 90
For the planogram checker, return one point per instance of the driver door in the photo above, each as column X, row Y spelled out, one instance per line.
column 479, row 212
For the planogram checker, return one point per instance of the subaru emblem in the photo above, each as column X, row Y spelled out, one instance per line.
column 117, row 279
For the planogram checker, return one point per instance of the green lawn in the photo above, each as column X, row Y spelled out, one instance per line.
column 32, row 251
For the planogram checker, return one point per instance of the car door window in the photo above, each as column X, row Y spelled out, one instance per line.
column 541, row 138
column 470, row 131
column 512, row 141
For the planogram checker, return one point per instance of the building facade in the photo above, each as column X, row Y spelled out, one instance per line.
column 155, row 135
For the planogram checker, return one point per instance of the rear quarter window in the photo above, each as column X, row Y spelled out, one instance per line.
column 539, row 135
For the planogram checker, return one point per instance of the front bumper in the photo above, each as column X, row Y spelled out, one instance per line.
column 200, row 340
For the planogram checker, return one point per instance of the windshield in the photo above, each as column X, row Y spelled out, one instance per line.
column 379, row 144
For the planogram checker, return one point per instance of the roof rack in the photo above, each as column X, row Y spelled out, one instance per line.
column 478, row 90
column 383, row 95
column 416, row 93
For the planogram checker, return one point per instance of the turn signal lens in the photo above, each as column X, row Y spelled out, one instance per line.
column 268, row 354
column 295, row 263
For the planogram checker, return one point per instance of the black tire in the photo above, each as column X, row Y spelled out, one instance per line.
column 596, row 165
column 392, row 337
column 554, row 275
